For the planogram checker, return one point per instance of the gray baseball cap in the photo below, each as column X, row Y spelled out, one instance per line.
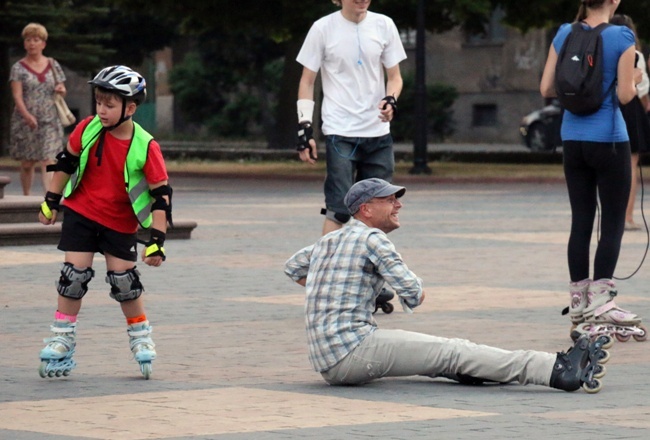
column 365, row 190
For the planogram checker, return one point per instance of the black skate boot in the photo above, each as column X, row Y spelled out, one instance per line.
column 581, row 365
column 382, row 301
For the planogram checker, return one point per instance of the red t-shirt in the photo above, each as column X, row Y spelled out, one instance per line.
column 101, row 195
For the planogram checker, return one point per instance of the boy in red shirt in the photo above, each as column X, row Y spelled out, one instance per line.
column 107, row 153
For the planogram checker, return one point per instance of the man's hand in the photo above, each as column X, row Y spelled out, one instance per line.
column 306, row 144
column 387, row 108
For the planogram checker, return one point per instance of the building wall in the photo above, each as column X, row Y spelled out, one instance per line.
column 497, row 80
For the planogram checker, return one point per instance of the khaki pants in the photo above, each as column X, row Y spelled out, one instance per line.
column 389, row 353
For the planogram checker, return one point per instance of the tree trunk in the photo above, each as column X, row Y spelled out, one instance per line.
column 284, row 134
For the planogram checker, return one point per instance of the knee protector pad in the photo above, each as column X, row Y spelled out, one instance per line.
column 337, row 217
column 125, row 286
column 73, row 282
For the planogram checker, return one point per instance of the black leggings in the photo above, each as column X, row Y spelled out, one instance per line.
column 593, row 171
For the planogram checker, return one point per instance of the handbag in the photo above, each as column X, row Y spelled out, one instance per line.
column 65, row 115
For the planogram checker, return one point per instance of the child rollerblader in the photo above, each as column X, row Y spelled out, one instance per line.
column 597, row 167
column 345, row 271
column 113, row 179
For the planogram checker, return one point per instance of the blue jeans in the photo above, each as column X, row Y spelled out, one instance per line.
column 350, row 159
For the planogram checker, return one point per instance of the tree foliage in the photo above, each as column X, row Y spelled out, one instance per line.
column 84, row 35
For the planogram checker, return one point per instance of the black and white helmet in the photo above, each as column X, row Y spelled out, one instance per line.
column 122, row 80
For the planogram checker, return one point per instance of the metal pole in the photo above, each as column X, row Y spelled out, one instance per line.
column 420, row 134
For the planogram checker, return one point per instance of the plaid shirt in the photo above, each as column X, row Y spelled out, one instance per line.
column 345, row 271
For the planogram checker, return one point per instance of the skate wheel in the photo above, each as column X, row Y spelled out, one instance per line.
column 603, row 356
column 42, row 369
column 599, row 371
column 644, row 336
column 66, row 372
column 58, row 373
column 387, row 308
column 606, row 341
column 575, row 334
column 145, row 368
column 622, row 338
column 593, row 386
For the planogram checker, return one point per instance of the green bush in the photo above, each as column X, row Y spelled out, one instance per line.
column 439, row 100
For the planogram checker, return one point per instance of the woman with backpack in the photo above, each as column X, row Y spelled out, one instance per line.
column 636, row 119
column 596, row 151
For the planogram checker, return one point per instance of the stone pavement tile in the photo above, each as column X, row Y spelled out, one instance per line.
column 208, row 412
column 229, row 326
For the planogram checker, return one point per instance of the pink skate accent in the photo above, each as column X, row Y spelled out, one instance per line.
column 617, row 315
column 63, row 317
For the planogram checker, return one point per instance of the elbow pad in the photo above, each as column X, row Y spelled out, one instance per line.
column 65, row 162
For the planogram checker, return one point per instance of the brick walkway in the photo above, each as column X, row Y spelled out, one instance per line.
column 229, row 327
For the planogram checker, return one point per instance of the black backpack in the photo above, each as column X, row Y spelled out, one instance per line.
column 579, row 70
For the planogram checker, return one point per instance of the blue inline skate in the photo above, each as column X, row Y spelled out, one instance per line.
column 56, row 356
column 142, row 346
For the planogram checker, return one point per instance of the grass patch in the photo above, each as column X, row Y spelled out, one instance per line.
column 452, row 170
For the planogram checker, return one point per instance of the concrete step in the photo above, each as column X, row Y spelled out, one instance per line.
column 20, row 209
column 23, row 234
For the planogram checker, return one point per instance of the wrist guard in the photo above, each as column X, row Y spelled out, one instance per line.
column 390, row 100
column 50, row 204
column 305, row 134
column 154, row 247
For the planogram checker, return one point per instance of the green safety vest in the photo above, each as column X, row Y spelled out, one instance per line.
column 136, row 184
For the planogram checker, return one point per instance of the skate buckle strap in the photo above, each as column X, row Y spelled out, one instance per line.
column 62, row 330
column 140, row 333
column 611, row 305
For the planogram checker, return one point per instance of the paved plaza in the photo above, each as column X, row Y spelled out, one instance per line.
column 228, row 324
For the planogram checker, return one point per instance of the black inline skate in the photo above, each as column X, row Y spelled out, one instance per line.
column 581, row 365
column 383, row 301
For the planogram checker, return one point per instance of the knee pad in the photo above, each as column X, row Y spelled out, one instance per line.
column 335, row 216
column 73, row 283
column 125, row 286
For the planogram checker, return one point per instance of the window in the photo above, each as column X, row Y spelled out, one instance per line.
column 484, row 115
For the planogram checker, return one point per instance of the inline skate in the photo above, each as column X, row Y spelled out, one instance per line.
column 142, row 346
column 578, row 297
column 582, row 365
column 56, row 356
column 603, row 317
column 383, row 301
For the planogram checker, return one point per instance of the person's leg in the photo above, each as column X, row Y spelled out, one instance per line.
column 46, row 177
column 613, row 168
column 79, row 272
column 388, row 353
column 582, row 189
column 377, row 158
column 27, row 175
column 341, row 167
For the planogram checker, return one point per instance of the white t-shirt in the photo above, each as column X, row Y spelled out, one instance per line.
column 352, row 58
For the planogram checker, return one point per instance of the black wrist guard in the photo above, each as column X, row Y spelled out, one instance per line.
column 154, row 247
column 390, row 100
column 50, row 204
column 305, row 134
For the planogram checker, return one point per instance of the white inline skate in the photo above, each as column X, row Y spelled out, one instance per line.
column 603, row 317
column 56, row 356
column 142, row 346
column 578, row 302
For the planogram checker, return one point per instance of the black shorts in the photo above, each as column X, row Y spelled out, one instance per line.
column 79, row 234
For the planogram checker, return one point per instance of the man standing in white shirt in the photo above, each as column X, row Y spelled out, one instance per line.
column 358, row 54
